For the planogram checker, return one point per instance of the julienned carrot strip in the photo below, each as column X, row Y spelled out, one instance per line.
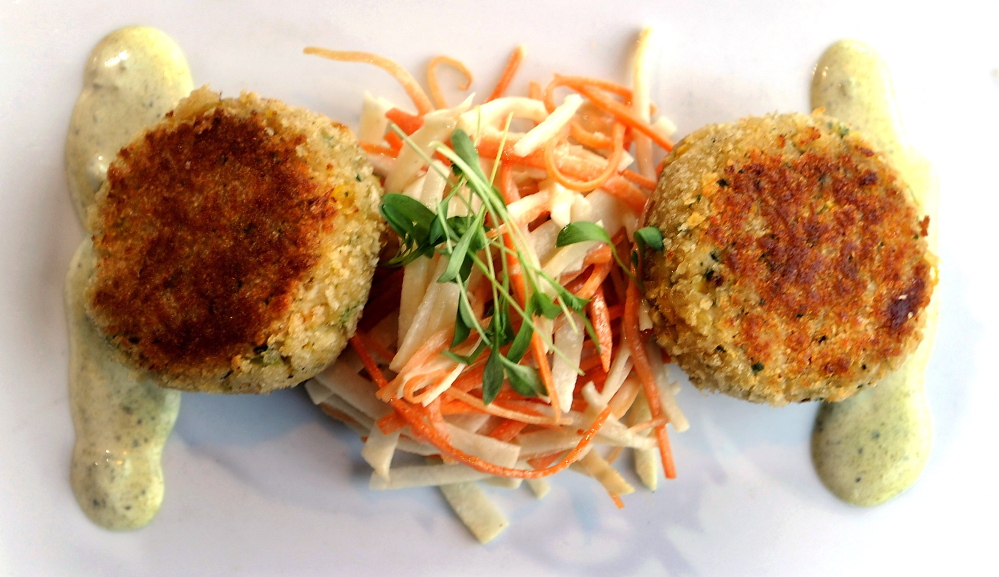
column 434, row 413
column 596, row 278
column 617, row 500
column 489, row 147
column 435, row 87
column 408, row 123
column 471, row 378
column 590, row 139
column 394, row 142
column 371, row 148
column 574, row 82
column 602, row 327
column 456, row 407
column 633, row 334
column 571, row 279
column 509, row 71
column 512, row 401
column 369, row 363
column 534, row 90
column 600, row 255
column 528, row 188
column 624, row 115
column 479, row 297
column 627, row 193
column 545, row 372
column 507, row 430
column 543, row 461
column 595, row 375
column 409, row 84
column 605, row 173
column 390, row 423
column 665, row 452
column 508, row 188
column 640, row 180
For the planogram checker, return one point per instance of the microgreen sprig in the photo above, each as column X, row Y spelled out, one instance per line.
column 648, row 238
column 462, row 239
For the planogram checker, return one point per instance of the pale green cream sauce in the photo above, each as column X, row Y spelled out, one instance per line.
column 875, row 444
column 133, row 76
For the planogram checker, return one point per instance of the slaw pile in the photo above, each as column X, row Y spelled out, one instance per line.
column 507, row 339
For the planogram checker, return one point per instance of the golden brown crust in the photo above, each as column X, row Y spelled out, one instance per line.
column 234, row 244
column 795, row 268
column 212, row 235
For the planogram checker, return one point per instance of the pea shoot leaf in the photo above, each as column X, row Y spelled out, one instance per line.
column 520, row 343
column 545, row 305
column 492, row 377
column 465, row 149
column 581, row 231
column 457, row 256
column 523, row 379
column 649, row 237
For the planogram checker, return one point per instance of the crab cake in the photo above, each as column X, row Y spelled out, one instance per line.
column 235, row 243
column 795, row 266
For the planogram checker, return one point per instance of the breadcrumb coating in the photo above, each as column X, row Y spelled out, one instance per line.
column 795, row 265
column 235, row 243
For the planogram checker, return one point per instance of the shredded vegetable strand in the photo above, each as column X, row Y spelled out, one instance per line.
column 589, row 139
column 644, row 182
column 368, row 361
column 608, row 170
column 602, row 327
column 509, row 71
column 435, row 88
column 640, row 104
column 632, row 332
column 409, row 84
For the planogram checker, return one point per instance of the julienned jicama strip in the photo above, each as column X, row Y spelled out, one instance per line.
column 506, row 343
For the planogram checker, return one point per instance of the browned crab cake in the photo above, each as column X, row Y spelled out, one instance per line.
column 795, row 265
column 235, row 243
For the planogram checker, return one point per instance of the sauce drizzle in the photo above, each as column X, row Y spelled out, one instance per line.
column 133, row 76
column 874, row 445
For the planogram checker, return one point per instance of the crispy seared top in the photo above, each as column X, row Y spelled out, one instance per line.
column 207, row 229
column 795, row 266
column 831, row 248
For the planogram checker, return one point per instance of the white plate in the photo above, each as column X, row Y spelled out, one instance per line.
column 267, row 485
